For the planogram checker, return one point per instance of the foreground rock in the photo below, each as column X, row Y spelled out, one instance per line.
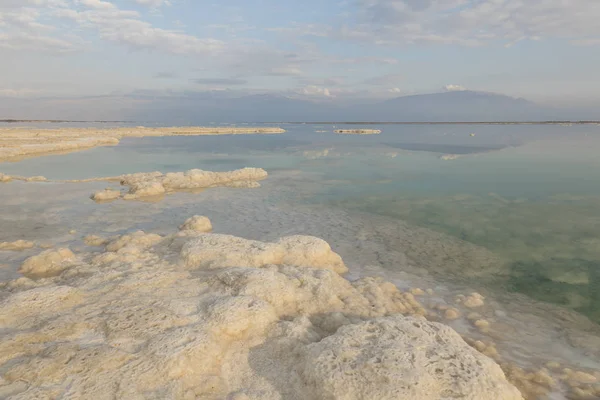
column 207, row 316
column 17, row 143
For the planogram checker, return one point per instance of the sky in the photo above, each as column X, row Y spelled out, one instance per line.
column 105, row 52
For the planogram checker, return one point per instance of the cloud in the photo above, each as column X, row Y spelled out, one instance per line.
column 98, row 4
column 328, row 82
column 153, row 3
column 18, row 92
column 220, row 81
column 471, row 23
column 21, row 29
column 395, row 90
column 126, row 28
column 315, row 91
column 284, row 71
column 454, row 88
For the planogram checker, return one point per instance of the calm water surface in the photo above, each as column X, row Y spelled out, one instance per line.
column 530, row 194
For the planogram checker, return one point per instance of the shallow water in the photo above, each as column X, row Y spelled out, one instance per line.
column 516, row 215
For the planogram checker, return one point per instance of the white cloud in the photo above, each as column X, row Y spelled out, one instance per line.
column 473, row 22
column 98, row 4
column 21, row 29
column 285, row 71
column 126, row 27
column 315, row 91
column 153, row 3
column 454, row 88
column 395, row 90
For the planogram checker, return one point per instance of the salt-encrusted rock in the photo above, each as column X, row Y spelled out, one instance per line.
column 401, row 358
column 48, row 263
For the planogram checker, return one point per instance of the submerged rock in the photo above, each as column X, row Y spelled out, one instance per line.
column 106, row 195
column 17, row 245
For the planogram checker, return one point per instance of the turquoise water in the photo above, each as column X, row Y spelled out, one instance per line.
column 529, row 194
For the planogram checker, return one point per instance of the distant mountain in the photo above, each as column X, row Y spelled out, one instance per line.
column 454, row 107
column 449, row 106
column 197, row 109
column 225, row 106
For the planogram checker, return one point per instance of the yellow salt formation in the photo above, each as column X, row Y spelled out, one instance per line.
column 8, row 178
column 451, row 313
column 106, row 195
column 48, row 263
column 17, row 245
column 482, row 325
column 93, row 240
column 534, row 385
column 473, row 300
column 488, row 348
column 197, row 223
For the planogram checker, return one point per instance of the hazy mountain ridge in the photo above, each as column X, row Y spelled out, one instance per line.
column 220, row 107
column 448, row 106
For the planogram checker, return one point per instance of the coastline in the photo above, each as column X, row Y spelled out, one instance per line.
column 20, row 143
column 400, row 247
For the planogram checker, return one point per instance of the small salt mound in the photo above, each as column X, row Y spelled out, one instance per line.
column 17, row 245
column 196, row 223
column 138, row 240
column 401, row 358
column 473, row 300
column 5, row 178
column 93, row 240
column 218, row 251
column 106, row 195
column 157, row 184
column 47, row 263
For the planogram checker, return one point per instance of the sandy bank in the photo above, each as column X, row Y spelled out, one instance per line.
column 358, row 131
column 212, row 316
column 19, row 143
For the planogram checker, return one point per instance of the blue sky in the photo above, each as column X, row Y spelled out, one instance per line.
column 336, row 51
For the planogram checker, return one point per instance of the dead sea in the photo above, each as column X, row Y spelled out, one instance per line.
column 229, row 297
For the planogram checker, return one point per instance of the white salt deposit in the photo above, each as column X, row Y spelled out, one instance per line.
column 155, row 184
column 243, row 320
column 16, row 143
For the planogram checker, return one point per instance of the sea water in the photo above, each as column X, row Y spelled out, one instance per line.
column 512, row 211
